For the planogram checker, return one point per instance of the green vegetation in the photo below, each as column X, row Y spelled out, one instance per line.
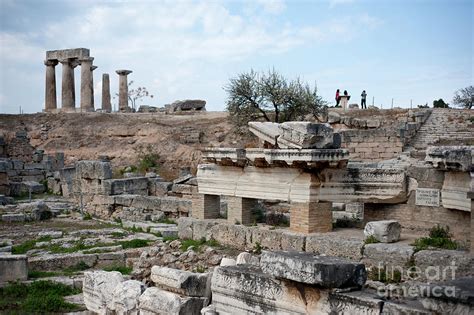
column 169, row 238
column 371, row 240
column 200, row 269
column 439, row 237
column 80, row 266
column 34, row 274
column 122, row 269
column 380, row 274
column 38, row 297
column 148, row 159
column 87, row 216
column 185, row 244
column 118, row 234
column 23, row 247
column 257, row 248
column 134, row 243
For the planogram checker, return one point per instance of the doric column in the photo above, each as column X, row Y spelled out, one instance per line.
column 239, row 210
column 106, row 105
column 92, row 87
column 86, row 84
column 205, row 206
column 123, row 89
column 50, row 102
column 68, row 96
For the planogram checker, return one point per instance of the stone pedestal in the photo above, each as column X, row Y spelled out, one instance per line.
column 50, row 102
column 311, row 217
column 239, row 210
column 344, row 101
column 205, row 206
column 68, row 96
column 106, row 105
column 87, row 89
column 123, row 89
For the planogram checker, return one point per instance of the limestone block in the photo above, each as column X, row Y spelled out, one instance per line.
column 134, row 186
column 13, row 217
column 449, row 297
column 229, row 235
column 385, row 231
column 227, row 262
column 52, row 234
column 93, row 170
column 157, row 187
column 244, row 258
column 110, row 259
column 330, row 244
column 125, row 297
column 5, row 166
column 325, row 271
column 184, row 189
column 333, row 117
column 166, row 231
column 357, row 302
column 175, row 205
column 67, row 53
column 454, row 158
column 305, row 135
column 245, row 289
column 269, row 239
column 13, row 268
column 387, row 255
column 36, row 210
column 60, row 261
column 456, row 186
column 440, row 265
column 181, row 282
column 98, row 290
column 201, row 228
column 146, row 202
column 185, row 227
column 293, row 241
column 156, row 301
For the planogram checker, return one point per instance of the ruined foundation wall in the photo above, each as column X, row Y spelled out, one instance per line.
column 421, row 219
column 371, row 144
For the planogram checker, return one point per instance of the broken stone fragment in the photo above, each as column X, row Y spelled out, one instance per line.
column 385, row 231
column 325, row 271
column 98, row 289
column 126, row 295
column 157, row 301
column 181, row 282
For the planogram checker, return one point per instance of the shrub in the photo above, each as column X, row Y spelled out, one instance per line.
column 257, row 248
column 439, row 237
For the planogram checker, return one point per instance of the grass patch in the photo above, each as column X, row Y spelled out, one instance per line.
column 439, row 237
column 118, row 234
column 122, row 269
column 23, row 247
column 167, row 221
column 37, row 298
column 87, row 216
column 134, row 243
column 371, row 240
column 34, row 274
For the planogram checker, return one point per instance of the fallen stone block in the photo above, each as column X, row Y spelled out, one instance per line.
column 52, row 234
column 157, row 301
column 450, row 297
column 36, row 211
column 245, row 289
column 227, row 262
column 185, row 227
column 60, row 261
column 325, row 271
column 244, row 258
column 13, row 217
column 382, row 255
column 166, row 231
column 330, row 244
column 440, row 265
column 181, row 282
column 125, row 297
column 98, row 290
column 385, row 231
column 13, row 268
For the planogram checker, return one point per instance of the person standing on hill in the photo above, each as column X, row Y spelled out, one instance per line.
column 338, row 98
column 363, row 100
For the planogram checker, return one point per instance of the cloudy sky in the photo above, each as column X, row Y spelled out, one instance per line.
column 406, row 50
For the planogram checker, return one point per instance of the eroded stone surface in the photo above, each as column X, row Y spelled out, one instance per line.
column 98, row 289
column 181, row 282
column 325, row 271
column 157, row 301
column 385, row 231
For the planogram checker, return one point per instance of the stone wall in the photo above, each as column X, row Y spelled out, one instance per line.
column 371, row 145
column 18, row 147
column 421, row 219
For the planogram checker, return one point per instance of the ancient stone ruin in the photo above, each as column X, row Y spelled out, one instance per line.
column 358, row 215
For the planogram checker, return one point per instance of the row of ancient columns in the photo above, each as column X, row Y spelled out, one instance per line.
column 68, row 97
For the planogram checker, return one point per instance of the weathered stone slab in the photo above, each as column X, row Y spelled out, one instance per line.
column 181, row 282
column 93, row 170
column 358, row 302
column 455, row 158
column 441, row 265
column 330, row 244
column 98, row 290
column 125, row 297
column 293, row 241
column 450, row 297
column 67, row 53
column 427, row 197
column 456, row 186
column 13, row 268
column 13, row 217
column 157, row 301
column 385, row 231
column 325, row 271
column 60, row 261
column 132, row 186
column 185, row 227
column 387, row 255
column 245, row 289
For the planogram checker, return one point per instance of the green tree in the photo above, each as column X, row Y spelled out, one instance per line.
column 440, row 104
column 271, row 97
column 464, row 97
